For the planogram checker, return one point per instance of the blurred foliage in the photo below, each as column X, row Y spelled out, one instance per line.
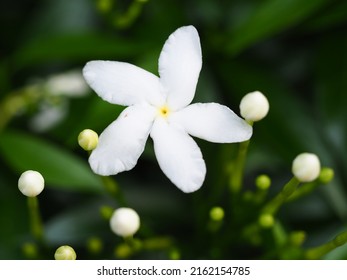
column 293, row 51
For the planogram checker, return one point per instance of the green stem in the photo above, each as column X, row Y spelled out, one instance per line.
column 320, row 251
column 326, row 175
column 120, row 19
column 157, row 243
column 237, row 174
column 35, row 218
column 273, row 205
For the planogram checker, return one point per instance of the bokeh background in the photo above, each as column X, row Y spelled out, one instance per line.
column 294, row 51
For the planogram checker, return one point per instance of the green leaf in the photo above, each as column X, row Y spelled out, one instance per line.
column 72, row 48
column 331, row 87
column 270, row 18
column 75, row 225
column 331, row 17
column 60, row 168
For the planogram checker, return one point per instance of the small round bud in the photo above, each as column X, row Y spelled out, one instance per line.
column 174, row 254
column 106, row 212
column 254, row 106
column 306, row 167
column 88, row 139
column 65, row 253
column 125, row 222
column 217, row 214
column 297, row 238
column 31, row 183
column 123, row 251
column 30, row 250
column 263, row 182
column 326, row 175
column 266, row 220
column 94, row 245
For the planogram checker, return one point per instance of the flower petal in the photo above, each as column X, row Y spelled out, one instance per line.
column 179, row 66
column 212, row 122
column 123, row 83
column 178, row 156
column 123, row 141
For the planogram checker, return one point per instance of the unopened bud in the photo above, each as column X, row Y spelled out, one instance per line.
column 125, row 222
column 65, row 253
column 217, row 214
column 326, row 175
column 306, row 167
column 31, row 183
column 297, row 238
column 266, row 220
column 254, row 106
column 94, row 245
column 30, row 250
column 88, row 139
column 263, row 182
column 123, row 251
column 106, row 212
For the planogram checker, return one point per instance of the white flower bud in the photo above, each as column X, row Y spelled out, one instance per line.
column 88, row 139
column 65, row 253
column 31, row 183
column 125, row 222
column 306, row 167
column 254, row 106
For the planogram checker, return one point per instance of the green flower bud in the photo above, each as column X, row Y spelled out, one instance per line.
column 30, row 250
column 263, row 182
column 266, row 220
column 326, row 175
column 94, row 245
column 65, row 253
column 88, row 139
column 123, row 251
column 297, row 238
column 174, row 254
column 217, row 213
column 106, row 212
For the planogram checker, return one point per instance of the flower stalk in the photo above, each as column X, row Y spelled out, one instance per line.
column 236, row 178
column 35, row 218
column 320, row 251
column 273, row 205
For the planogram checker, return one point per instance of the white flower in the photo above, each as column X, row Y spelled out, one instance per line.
column 159, row 107
column 254, row 106
column 306, row 167
column 125, row 222
column 31, row 183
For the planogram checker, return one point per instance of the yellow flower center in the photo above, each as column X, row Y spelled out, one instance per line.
column 164, row 111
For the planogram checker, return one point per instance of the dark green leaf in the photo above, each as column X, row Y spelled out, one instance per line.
column 59, row 167
column 73, row 48
column 270, row 18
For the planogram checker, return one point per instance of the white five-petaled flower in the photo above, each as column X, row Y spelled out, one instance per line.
column 159, row 107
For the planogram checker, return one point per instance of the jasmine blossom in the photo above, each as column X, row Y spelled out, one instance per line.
column 159, row 107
